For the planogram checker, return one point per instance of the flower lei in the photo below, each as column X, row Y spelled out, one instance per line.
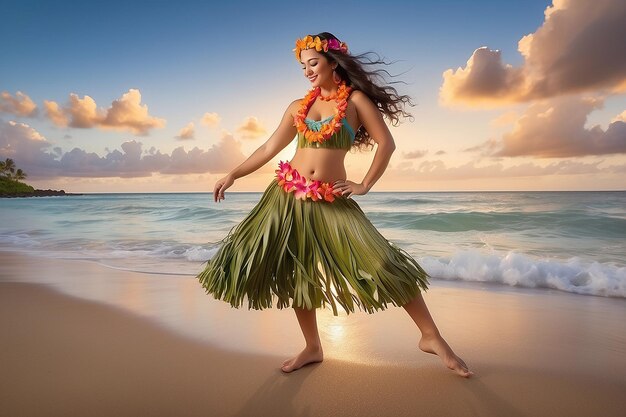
column 330, row 128
column 291, row 181
column 319, row 45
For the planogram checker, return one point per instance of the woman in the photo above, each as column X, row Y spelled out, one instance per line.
column 307, row 242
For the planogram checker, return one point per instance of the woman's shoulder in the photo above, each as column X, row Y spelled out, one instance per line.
column 358, row 96
column 294, row 106
column 296, row 102
column 361, row 101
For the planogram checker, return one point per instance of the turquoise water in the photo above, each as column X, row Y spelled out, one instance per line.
column 572, row 241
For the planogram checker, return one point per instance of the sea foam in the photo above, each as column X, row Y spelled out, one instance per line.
column 518, row 269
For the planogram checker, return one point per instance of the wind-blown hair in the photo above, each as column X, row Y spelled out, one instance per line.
column 352, row 69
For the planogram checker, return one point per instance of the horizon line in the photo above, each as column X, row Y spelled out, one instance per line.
column 369, row 192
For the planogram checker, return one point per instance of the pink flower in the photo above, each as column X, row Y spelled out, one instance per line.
column 300, row 186
column 284, row 175
column 291, row 181
column 314, row 190
column 333, row 44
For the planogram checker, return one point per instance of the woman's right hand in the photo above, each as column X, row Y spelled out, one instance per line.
column 220, row 186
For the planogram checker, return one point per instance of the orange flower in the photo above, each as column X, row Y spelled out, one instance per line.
column 328, row 192
column 329, row 128
column 317, row 44
column 320, row 45
column 302, row 44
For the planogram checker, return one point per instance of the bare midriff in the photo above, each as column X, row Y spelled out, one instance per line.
column 324, row 164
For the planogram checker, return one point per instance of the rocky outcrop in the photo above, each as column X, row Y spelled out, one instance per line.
column 38, row 193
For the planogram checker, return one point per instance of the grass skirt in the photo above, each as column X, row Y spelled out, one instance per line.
column 310, row 254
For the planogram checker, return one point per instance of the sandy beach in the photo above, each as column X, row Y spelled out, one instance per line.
column 75, row 344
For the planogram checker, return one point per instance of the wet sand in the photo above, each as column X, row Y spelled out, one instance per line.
column 85, row 340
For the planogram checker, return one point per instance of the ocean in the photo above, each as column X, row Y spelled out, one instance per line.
column 568, row 241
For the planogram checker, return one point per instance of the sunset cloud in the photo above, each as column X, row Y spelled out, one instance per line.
column 125, row 114
column 211, row 119
column 83, row 112
column 556, row 128
column 251, row 128
column 437, row 170
column 579, row 47
column 25, row 146
column 55, row 113
column 187, row 132
column 620, row 117
column 505, row 119
column 414, row 154
column 40, row 159
column 485, row 81
column 20, row 105
column 220, row 158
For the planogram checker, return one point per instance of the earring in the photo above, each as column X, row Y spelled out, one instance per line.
column 336, row 77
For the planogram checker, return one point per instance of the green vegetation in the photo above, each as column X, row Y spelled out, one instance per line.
column 9, row 179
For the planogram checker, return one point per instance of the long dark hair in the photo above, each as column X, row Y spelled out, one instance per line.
column 351, row 69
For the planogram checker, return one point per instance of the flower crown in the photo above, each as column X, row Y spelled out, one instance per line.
column 319, row 45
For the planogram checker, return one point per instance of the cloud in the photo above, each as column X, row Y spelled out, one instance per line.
column 505, row 119
column 125, row 114
column 84, row 113
column 251, row 128
column 219, row 158
column 211, row 119
column 186, row 132
column 556, row 128
column 29, row 149
column 437, row 170
column 25, row 146
column 55, row 113
column 485, row 81
column 620, row 117
column 414, row 154
column 579, row 47
column 20, row 105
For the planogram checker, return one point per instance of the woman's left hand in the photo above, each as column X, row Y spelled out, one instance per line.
column 349, row 188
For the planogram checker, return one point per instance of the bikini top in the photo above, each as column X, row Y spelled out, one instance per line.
column 342, row 139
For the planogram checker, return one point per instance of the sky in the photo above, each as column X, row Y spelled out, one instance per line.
column 158, row 96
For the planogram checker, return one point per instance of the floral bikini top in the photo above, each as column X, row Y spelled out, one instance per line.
column 343, row 139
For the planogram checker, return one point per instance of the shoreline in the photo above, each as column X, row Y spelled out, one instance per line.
column 550, row 355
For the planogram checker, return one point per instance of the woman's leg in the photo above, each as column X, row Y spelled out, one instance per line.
column 432, row 341
column 313, row 350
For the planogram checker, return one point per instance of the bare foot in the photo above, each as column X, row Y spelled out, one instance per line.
column 438, row 346
column 308, row 355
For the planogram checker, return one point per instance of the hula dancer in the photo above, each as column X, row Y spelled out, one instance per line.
column 307, row 244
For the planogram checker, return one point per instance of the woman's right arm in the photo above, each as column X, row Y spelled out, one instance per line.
column 281, row 137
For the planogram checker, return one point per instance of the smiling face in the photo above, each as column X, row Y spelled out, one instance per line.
column 316, row 68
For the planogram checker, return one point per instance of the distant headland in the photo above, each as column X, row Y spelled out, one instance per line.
column 10, row 185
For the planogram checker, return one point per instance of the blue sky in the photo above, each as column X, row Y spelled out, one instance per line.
column 188, row 58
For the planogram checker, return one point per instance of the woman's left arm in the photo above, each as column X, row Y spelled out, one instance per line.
column 372, row 120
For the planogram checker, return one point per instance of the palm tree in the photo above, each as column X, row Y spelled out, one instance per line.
column 8, row 167
column 19, row 174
